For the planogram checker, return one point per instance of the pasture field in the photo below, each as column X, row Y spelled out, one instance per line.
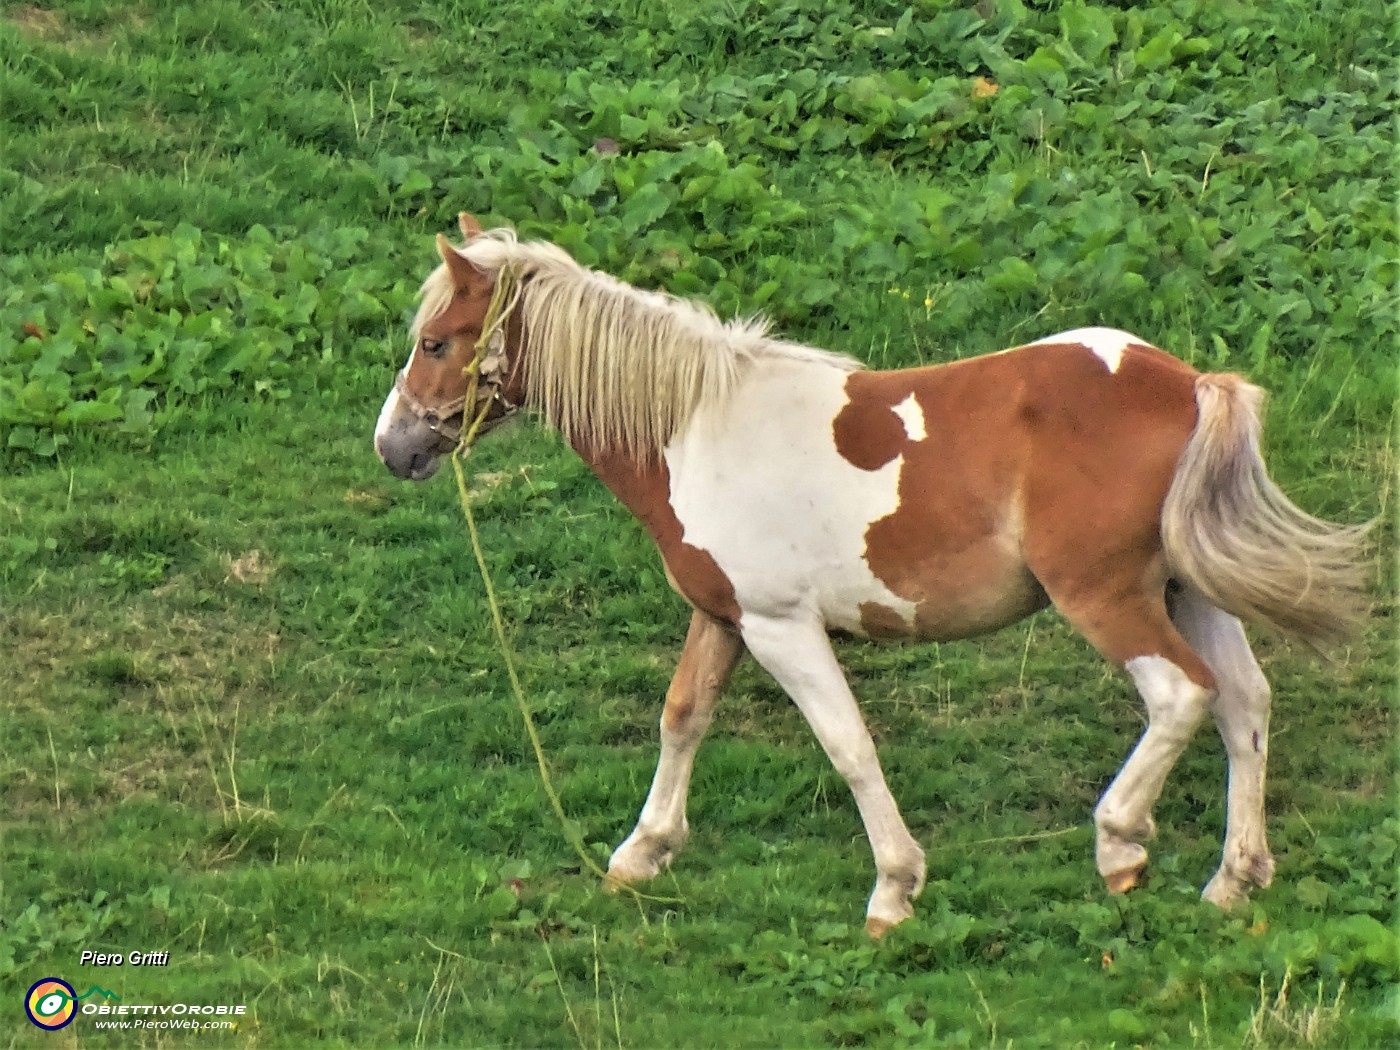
column 251, row 712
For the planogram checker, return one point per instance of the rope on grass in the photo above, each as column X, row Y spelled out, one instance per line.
column 571, row 831
column 503, row 301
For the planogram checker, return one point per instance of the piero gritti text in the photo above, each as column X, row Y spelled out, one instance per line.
column 90, row 958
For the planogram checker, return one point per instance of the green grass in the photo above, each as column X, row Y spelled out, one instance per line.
column 253, row 711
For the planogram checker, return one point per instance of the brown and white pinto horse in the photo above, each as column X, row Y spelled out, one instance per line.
column 792, row 494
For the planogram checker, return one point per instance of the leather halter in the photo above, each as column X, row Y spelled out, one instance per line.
column 487, row 369
column 435, row 419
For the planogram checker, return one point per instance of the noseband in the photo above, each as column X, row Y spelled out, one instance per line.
column 487, row 368
column 490, row 374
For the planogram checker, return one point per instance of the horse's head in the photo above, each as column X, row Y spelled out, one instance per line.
column 454, row 380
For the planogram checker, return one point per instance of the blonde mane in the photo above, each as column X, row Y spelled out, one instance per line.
column 611, row 366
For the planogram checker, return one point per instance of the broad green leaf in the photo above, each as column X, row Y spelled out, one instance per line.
column 643, row 208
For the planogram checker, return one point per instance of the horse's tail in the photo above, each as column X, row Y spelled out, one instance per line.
column 1231, row 532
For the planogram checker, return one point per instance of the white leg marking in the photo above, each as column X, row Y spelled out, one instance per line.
column 798, row 655
column 1175, row 706
column 911, row 414
column 710, row 653
column 1241, row 710
column 662, row 828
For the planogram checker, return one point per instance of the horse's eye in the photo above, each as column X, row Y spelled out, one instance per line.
column 433, row 347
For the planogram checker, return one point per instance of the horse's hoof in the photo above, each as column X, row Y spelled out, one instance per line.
column 1123, row 880
column 1225, row 893
column 620, row 877
column 635, row 861
column 876, row 928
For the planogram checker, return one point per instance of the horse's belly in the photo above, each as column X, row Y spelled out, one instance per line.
column 946, row 596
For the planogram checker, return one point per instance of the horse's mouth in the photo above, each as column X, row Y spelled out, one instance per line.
column 422, row 466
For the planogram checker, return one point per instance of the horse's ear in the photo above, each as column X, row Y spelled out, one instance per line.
column 461, row 270
column 470, row 228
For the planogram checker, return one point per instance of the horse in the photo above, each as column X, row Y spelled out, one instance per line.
column 794, row 495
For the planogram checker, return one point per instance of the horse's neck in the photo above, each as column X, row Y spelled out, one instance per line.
column 641, row 484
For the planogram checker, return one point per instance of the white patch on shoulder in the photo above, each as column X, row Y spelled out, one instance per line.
column 911, row 414
column 1107, row 344
column 761, row 486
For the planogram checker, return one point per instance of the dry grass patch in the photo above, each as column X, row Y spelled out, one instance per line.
column 36, row 21
column 252, row 567
column 128, row 702
column 1277, row 1023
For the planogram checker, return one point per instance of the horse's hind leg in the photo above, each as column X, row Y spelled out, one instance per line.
column 1241, row 710
column 1132, row 629
column 707, row 660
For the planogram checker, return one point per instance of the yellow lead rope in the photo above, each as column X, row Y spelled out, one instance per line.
column 508, row 290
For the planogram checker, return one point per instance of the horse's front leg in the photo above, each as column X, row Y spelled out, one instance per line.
column 798, row 655
column 710, row 653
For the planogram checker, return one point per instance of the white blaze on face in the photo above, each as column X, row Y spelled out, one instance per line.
column 1107, row 344
column 764, row 490
column 386, row 415
column 391, row 407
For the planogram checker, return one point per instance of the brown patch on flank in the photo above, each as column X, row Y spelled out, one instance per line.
column 1103, row 452
column 880, row 621
column 645, row 490
column 867, row 431
column 949, row 546
column 1041, row 476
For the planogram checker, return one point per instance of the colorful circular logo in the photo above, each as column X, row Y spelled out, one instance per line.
column 51, row 1004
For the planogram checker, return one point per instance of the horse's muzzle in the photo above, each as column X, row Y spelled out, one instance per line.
column 411, row 449
column 419, row 466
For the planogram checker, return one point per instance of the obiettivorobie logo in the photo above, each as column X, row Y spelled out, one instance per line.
column 51, row 1003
